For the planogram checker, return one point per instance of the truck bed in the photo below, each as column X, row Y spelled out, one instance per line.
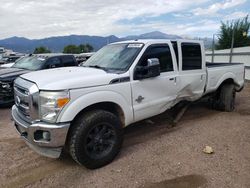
column 218, row 72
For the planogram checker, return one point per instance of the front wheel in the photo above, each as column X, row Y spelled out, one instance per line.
column 96, row 139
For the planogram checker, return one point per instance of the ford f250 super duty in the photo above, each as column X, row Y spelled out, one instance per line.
column 83, row 110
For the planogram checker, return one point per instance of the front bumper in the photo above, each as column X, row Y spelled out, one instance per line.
column 49, row 148
column 8, row 102
column 6, row 97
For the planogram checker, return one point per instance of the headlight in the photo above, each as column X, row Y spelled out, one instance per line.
column 51, row 103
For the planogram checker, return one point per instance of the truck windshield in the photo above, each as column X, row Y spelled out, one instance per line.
column 115, row 56
column 29, row 63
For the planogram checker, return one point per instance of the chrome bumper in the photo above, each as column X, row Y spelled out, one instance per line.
column 51, row 148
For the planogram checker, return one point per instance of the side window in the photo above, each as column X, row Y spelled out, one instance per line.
column 53, row 62
column 162, row 52
column 68, row 61
column 191, row 56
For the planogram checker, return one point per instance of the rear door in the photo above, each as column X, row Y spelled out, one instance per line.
column 152, row 96
column 192, row 70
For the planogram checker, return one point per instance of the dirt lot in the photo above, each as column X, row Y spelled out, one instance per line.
column 153, row 155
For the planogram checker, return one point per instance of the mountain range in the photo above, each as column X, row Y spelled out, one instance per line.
column 56, row 44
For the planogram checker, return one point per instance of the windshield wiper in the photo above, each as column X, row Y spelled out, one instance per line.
column 96, row 66
column 20, row 68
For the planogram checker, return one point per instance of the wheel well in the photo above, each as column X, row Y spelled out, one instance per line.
column 108, row 106
column 227, row 81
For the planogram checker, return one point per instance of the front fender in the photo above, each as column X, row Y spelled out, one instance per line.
column 77, row 105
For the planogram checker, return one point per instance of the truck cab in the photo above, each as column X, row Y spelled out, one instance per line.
column 182, row 76
column 83, row 110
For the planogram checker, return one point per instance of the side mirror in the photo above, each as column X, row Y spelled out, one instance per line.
column 153, row 67
column 50, row 66
column 151, row 70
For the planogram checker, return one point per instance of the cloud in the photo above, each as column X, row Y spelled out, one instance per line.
column 213, row 9
column 235, row 15
column 199, row 28
column 37, row 19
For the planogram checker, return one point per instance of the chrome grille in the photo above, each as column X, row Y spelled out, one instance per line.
column 22, row 100
column 26, row 96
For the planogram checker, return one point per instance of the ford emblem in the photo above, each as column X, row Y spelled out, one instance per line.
column 18, row 100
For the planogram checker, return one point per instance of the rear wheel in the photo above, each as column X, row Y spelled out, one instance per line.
column 225, row 99
column 96, row 138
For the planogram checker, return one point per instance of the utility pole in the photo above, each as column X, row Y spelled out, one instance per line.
column 232, row 47
column 213, row 46
column 213, row 50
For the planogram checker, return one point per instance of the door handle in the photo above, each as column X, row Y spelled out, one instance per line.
column 171, row 79
column 201, row 78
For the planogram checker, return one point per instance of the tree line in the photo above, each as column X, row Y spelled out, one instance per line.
column 236, row 31
column 69, row 49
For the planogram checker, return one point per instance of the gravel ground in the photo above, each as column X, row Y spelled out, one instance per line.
column 153, row 155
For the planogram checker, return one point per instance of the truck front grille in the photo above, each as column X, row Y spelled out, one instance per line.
column 26, row 95
column 22, row 101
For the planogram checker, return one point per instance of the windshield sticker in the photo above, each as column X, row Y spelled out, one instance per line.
column 41, row 59
column 135, row 45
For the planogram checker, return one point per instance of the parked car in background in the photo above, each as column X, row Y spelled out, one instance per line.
column 85, row 109
column 81, row 58
column 9, row 59
column 2, row 50
column 28, row 64
column 7, row 65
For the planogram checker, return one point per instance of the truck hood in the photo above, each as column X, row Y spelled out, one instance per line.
column 69, row 78
column 11, row 73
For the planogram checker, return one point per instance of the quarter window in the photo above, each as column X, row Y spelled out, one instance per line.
column 191, row 56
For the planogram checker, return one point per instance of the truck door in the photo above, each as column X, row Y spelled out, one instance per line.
column 152, row 96
column 192, row 70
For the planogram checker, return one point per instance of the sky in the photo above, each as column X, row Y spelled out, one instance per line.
column 45, row 18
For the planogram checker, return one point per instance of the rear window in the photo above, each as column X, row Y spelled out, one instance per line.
column 191, row 56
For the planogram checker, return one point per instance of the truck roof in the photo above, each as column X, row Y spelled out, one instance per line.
column 146, row 41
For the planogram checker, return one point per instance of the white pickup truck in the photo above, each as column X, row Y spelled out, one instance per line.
column 83, row 110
